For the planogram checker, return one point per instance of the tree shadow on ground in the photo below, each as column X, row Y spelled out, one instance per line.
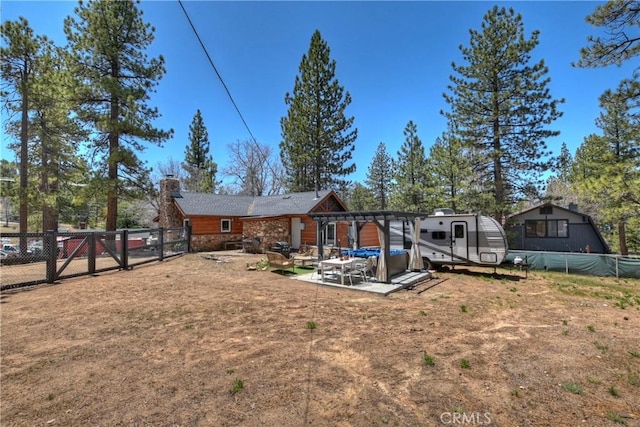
column 488, row 274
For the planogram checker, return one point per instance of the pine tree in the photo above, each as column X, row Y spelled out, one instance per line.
column 411, row 183
column 559, row 187
column 317, row 140
column 379, row 176
column 450, row 168
column 56, row 136
column 20, row 52
column 502, row 107
column 361, row 198
column 618, row 17
column 607, row 170
column 621, row 21
column 107, row 43
column 199, row 165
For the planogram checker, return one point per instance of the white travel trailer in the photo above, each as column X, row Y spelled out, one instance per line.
column 447, row 238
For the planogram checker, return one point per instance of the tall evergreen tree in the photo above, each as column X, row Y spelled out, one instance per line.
column 317, row 140
column 107, row 43
column 450, row 168
column 607, row 170
column 411, row 182
column 361, row 198
column 502, row 107
column 379, row 176
column 198, row 164
column 20, row 52
column 56, row 136
column 559, row 187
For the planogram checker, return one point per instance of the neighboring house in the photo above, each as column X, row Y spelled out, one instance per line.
column 547, row 227
column 218, row 220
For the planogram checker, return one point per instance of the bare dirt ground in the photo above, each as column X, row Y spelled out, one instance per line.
column 197, row 342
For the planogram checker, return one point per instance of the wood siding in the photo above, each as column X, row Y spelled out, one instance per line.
column 213, row 225
column 369, row 235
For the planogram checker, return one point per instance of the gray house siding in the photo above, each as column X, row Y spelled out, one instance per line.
column 553, row 228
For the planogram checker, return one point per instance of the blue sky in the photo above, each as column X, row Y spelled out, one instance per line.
column 393, row 57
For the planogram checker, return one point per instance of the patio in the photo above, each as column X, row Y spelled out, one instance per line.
column 398, row 282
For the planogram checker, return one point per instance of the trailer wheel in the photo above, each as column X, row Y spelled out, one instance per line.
column 427, row 263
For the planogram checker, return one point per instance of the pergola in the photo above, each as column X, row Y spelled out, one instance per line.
column 379, row 218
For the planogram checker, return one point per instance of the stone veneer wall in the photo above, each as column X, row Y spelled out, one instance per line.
column 169, row 215
column 268, row 231
column 212, row 242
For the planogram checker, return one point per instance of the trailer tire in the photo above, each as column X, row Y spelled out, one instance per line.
column 427, row 263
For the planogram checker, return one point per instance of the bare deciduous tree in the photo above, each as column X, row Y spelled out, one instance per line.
column 253, row 169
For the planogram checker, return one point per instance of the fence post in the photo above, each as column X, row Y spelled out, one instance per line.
column 124, row 240
column 161, row 243
column 91, row 252
column 189, row 237
column 566, row 264
column 50, row 246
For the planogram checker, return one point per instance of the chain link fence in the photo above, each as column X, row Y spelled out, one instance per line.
column 32, row 258
column 579, row 263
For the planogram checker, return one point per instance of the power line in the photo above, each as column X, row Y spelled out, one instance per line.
column 216, row 71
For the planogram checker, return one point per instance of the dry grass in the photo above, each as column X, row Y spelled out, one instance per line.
column 192, row 341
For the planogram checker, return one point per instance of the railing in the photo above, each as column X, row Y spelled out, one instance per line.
column 34, row 258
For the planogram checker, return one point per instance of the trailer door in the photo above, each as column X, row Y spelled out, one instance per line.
column 459, row 242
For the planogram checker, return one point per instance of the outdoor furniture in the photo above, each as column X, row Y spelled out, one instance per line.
column 343, row 265
column 363, row 268
column 280, row 262
column 309, row 256
column 306, row 257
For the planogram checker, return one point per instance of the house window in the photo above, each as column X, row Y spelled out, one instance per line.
column 547, row 228
column 225, row 225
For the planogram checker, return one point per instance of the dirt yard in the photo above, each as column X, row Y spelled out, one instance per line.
column 198, row 342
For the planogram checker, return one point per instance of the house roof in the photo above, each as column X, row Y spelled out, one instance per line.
column 539, row 205
column 231, row 205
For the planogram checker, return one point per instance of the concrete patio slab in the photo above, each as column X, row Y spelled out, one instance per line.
column 398, row 282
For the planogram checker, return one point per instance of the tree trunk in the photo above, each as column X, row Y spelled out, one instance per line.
column 622, row 238
column 24, row 162
column 114, row 157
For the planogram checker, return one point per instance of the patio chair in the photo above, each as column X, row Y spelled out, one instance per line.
column 279, row 262
column 363, row 269
column 318, row 270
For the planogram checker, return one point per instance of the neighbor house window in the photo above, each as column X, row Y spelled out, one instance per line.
column 225, row 225
column 547, row 228
column 546, row 210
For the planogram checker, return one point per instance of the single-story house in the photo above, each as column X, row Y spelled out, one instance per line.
column 548, row 227
column 219, row 221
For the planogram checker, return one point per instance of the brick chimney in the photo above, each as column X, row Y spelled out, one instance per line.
column 169, row 214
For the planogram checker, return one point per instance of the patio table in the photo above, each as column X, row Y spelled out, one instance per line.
column 338, row 264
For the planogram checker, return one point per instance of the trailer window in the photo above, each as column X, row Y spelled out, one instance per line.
column 458, row 231
column 438, row 235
